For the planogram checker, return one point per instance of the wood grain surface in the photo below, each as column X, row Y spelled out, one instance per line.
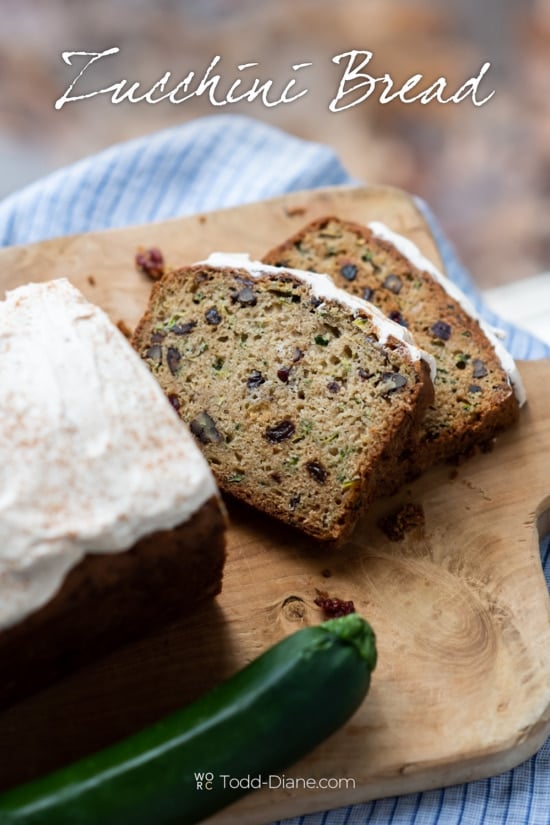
column 459, row 605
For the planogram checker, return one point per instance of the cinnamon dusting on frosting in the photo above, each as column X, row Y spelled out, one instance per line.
column 81, row 469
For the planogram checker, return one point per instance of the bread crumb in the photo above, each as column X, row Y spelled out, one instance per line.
column 332, row 606
column 124, row 328
column 91, row 280
column 406, row 518
column 150, row 262
column 295, row 211
column 202, row 219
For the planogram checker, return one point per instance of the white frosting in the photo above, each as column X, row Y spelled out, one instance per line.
column 417, row 259
column 324, row 288
column 92, row 456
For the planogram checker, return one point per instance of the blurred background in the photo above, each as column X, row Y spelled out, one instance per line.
column 485, row 171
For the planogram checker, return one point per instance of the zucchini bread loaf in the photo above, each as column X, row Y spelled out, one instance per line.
column 296, row 391
column 478, row 390
column 110, row 520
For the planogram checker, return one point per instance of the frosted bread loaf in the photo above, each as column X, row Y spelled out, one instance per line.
column 478, row 390
column 296, row 391
column 110, row 519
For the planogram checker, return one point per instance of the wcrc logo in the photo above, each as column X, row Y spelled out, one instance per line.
column 204, row 781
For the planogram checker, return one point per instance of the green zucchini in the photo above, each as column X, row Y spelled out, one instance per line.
column 264, row 718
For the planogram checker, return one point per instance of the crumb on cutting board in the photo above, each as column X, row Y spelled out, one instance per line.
column 401, row 521
column 150, row 262
column 295, row 211
column 124, row 328
column 332, row 606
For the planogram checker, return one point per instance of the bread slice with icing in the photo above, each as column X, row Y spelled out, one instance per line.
column 478, row 389
column 296, row 391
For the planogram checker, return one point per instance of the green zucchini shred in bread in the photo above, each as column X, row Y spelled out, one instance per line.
column 296, row 400
column 474, row 397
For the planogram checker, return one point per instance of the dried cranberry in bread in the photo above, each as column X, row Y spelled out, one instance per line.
column 295, row 390
column 477, row 387
column 110, row 520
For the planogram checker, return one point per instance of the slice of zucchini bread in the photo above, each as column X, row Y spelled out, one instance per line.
column 296, row 391
column 478, row 389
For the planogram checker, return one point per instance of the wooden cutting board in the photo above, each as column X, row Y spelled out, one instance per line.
column 460, row 605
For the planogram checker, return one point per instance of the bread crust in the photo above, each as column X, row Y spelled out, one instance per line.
column 109, row 599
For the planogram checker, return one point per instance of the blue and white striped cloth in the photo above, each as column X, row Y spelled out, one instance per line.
column 224, row 161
